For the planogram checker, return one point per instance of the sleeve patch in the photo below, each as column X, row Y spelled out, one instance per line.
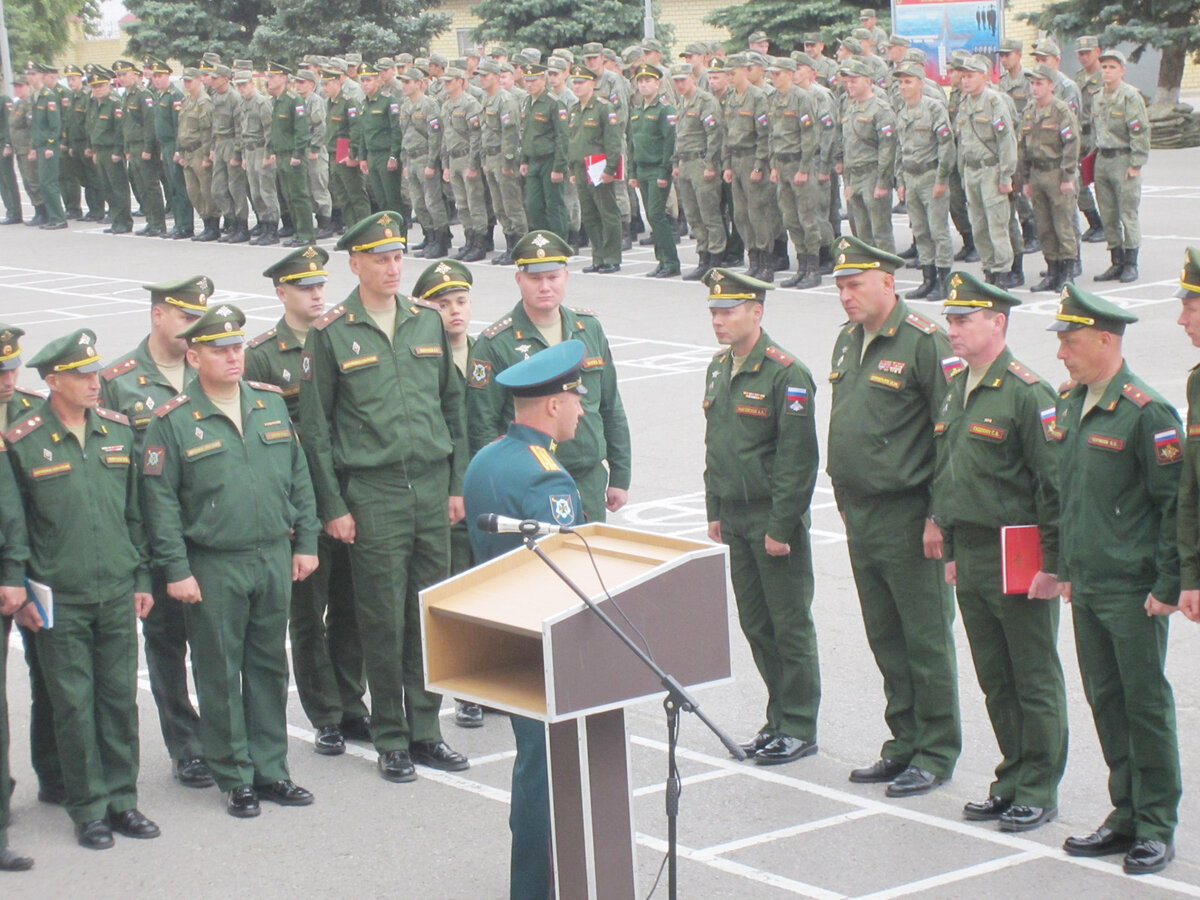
column 152, row 463
column 1049, row 417
column 480, row 375
column 1167, row 447
column 796, row 401
column 952, row 365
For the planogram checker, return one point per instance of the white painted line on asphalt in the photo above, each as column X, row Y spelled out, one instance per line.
column 699, row 778
column 924, row 884
column 756, row 840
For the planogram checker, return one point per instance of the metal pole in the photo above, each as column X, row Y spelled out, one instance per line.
column 648, row 26
column 5, row 56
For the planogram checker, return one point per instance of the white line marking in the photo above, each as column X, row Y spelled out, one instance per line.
column 781, row 833
column 923, row 884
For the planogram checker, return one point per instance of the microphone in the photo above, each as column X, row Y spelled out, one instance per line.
column 494, row 524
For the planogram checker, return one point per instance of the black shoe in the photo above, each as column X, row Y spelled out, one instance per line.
column 357, row 728
column 1146, row 856
column 437, row 755
column 10, row 862
column 1019, row 817
column 910, row 253
column 756, row 743
column 286, row 231
column 138, row 214
column 132, row 823
column 152, row 232
column 1101, row 842
column 193, row 773
column 396, row 765
column 1113, row 272
column 608, row 269
column 53, row 226
column 467, row 714
column 647, row 241
column 94, row 835
column 11, row 220
column 654, row 274
column 986, row 810
column 588, row 270
column 878, row 772
column 913, row 781
column 784, row 749
column 285, row 793
column 55, row 796
column 329, row 741
column 242, row 802
column 666, row 272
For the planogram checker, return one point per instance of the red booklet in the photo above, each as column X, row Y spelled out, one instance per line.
column 342, row 153
column 1087, row 168
column 1020, row 557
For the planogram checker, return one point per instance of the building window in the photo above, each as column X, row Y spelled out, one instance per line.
column 466, row 42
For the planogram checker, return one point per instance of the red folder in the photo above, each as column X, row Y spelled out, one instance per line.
column 1087, row 168
column 342, row 153
column 1020, row 557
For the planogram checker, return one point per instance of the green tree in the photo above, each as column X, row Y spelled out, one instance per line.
column 564, row 23
column 1171, row 26
column 373, row 28
column 787, row 21
column 185, row 29
column 41, row 29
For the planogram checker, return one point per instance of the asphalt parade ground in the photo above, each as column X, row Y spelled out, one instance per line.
column 800, row 830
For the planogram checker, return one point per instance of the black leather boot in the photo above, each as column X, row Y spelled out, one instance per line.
column 1050, row 282
column 941, row 284
column 921, row 291
column 1129, row 273
column 1095, row 232
column 1113, row 272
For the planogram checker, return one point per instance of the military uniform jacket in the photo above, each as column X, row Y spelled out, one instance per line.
column 421, row 132
column 986, row 134
column 23, row 402
column 366, row 403
column 761, row 436
column 275, row 357
column 1017, row 88
column 6, row 110
column 595, row 129
column 617, row 91
column 1121, row 123
column 207, row 486
column 166, row 114
column 652, row 138
column 20, row 126
column 997, row 457
column 317, row 107
column 699, row 129
column 1049, row 135
column 341, row 123
column 462, row 135
column 926, row 141
column 255, row 125
column 869, row 139
column 544, row 134
column 290, row 129
column 104, row 126
column 795, row 134
column 1121, row 467
column 225, row 114
column 137, row 120
column 81, row 505
column 1089, row 86
column 1189, row 491
column 47, row 120
column 133, row 385
column 603, row 433
column 881, row 421
column 502, row 127
column 74, row 121
column 1066, row 90
column 14, row 537
column 378, row 119
column 517, row 475
column 747, row 126
column 195, row 124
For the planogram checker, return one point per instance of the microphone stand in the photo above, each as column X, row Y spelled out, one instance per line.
column 677, row 699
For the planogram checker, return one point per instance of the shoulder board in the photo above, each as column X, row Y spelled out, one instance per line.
column 119, row 369
column 719, row 354
column 545, row 458
column 496, row 327
column 779, row 356
column 1134, row 393
column 330, row 316
column 28, row 392
column 26, row 426
column 112, row 415
column 265, row 336
column 922, row 324
column 1026, row 375
column 263, row 386
column 174, row 403
column 1066, row 387
column 582, row 310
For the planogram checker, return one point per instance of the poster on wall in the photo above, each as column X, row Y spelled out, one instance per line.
column 941, row 26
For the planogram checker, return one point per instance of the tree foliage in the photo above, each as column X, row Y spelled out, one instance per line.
column 373, row 28
column 786, row 22
column 41, row 29
column 185, row 29
column 564, row 23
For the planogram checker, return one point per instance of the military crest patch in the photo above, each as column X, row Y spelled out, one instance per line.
column 1167, row 448
column 152, row 464
column 562, row 509
column 480, row 375
column 797, row 400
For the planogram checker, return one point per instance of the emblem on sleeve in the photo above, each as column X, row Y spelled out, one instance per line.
column 1167, row 448
column 153, row 463
column 562, row 509
column 481, row 374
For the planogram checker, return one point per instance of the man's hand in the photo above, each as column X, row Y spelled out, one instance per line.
column 900, row 193
column 555, row 177
column 270, row 161
column 615, row 498
column 29, row 617
column 1155, row 607
column 362, row 167
column 524, row 170
column 633, row 183
column 801, row 177
column 1027, row 190
column 186, row 591
column 392, row 163
column 662, row 183
column 48, row 153
column 430, row 172
column 458, row 510
column 313, row 155
column 774, row 547
column 303, row 565
column 1189, row 604
column 880, row 192
column 142, row 603
column 296, row 162
column 1132, row 172
column 12, row 597
column 147, row 155
column 714, row 532
column 206, row 164
column 939, row 190
column 710, row 174
column 1064, row 591
column 932, row 539
column 1005, row 187
column 605, row 178
column 1044, row 586
column 952, row 573
column 341, row 529
column 1065, row 187
column 727, row 176
column 756, row 176
column 471, row 174
column 774, row 176
column 446, row 175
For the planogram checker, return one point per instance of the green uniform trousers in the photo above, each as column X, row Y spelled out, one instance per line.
column 870, row 217
column 29, row 177
column 1117, row 197
column 989, row 212
column 89, row 659
column 1054, row 213
column 907, row 611
column 1014, row 644
column 531, row 868
column 9, row 195
column 80, row 181
column 601, row 218
column 181, row 206
column 701, row 201
column 5, row 771
column 544, row 199
column 755, row 210
column 929, row 217
column 958, row 204
column 43, row 744
column 144, row 174
column 469, row 195
column 264, row 192
column 237, row 633
column 655, row 200
column 401, row 545
column 164, row 631
column 800, row 207
column 348, row 192
column 114, row 184
column 774, row 600
column 51, row 191
column 1122, row 652
column 505, row 191
column 293, row 185
column 197, row 179
column 382, row 182
column 593, row 491
column 326, row 653
column 229, row 186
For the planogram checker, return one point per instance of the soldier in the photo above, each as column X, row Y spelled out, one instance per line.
column 1189, row 486
column 317, row 157
column 194, row 142
column 869, row 20
column 558, row 73
column 1048, row 151
column 1091, row 82
column 390, row 490
column 21, row 136
column 746, row 160
column 326, row 653
column 758, row 505
column 828, row 200
column 462, row 155
column 997, row 467
column 287, row 150
column 46, row 137
column 73, row 464
column 987, row 148
column 538, row 321
column 230, row 188
column 1015, row 82
column 1119, row 568
column 868, row 158
column 421, row 137
column 891, row 368
column 137, row 131
column 617, row 90
column 251, row 530
column 76, row 172
column 9, row 195
column 254, row 126
column 595, row 155
column 958, row 197
column 378, row 148
column 695, row 56
column 106, row 147
column 924, row 159
column 652, row 121
column 699, row 138
column 347, row 190
column 1123, row 145
column 501, row 146
column 544, row 139
column 168, row 103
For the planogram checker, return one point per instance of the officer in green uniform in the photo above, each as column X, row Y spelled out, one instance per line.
column 544, row 140
column 74, row 465
column 381, row 418
column 47, row 139
column 379, row 140
column 167, row 104
column 346, row 186
column 868, row 157
column 1119, row 564
column 1189, row 486
column 138, row 384
column 594, row 133
column 746, row 163
column 760, row 470
column 231, row 513
column 652, row 146
column 9, row 195
column 699, row 136
column 193, row 152
column 462, row 161
column 501, row 158
column 997, row 466
column 891, row 370
column 287, row 148
column 326, row 653
column 137, row 131
column 539, row 321
column 76, row 172
column 421, row 148
column 519, row 476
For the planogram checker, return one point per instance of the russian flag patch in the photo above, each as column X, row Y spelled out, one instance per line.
column 797, row 400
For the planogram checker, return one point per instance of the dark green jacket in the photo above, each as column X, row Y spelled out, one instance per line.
column 1120, row 469
column 341, row 123
column 378, row 120
column 104, row 126
column 47, row 120
column 652, row 136
column 75, row 121
column 14, row 538
column 289, row 127
column 274, row 357
column 137, row 120
column 207, row 486
column 761, row 436
column 134, row 386
column 544, row 133
column 166, row 115
column 595, row 129
column 1189, row 491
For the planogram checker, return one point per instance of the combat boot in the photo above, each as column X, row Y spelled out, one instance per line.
column 812, row 271
column 270, row 234
column 910, row 253
column 1129, row 273
column 1015, row 277
column 824, row 262
column 468, row 243
column 211, row 232
column 241, row 232
column 968, row 253
column 704, row 267
column 1095, row 232
column 1051, row 281
column 794, row 281
column 1030, row 235
column 1113, row 272
column 324, row 227
column 941, row 284
column 928, row 276
column 476, row 248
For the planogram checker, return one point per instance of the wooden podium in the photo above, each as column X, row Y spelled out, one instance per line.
column 511, row 635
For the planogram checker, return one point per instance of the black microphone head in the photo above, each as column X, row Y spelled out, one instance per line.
column 486, row 522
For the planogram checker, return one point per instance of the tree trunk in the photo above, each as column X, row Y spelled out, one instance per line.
column 1170, row 75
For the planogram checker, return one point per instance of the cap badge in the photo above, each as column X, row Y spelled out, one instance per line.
column 385, row 219
column 540, row 241
column 224, row 311
column 84, row 340
column 442, row 268
column 541, row 253
column 954, row 294
column 841, row 259
column 203, row 298
column 956, row 280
